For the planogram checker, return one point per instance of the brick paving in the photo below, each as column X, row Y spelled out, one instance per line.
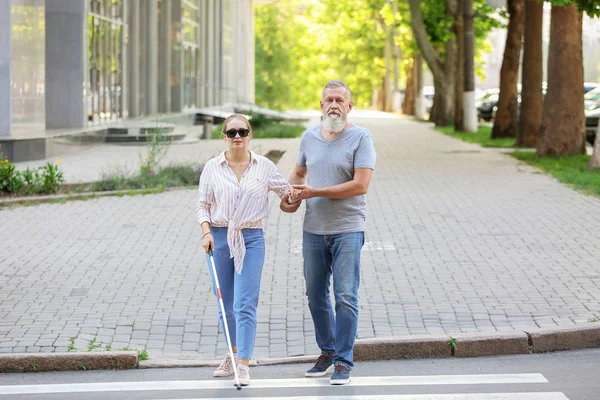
column 459, row 239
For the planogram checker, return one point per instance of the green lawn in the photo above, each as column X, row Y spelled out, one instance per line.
column 268, row 130
column 482, row 136
column 571, row 170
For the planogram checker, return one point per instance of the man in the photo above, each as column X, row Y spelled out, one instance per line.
column 333, row 172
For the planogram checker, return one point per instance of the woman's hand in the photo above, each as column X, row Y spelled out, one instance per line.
column 304, row 192
column 208, row 242
column 294, row 196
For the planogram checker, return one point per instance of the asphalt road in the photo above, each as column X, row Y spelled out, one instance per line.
column 558, row 376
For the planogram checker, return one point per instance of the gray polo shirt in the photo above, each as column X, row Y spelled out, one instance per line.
column 329, row 164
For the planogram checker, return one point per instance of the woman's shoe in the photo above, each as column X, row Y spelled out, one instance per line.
column 225, row 368
column 243, row 374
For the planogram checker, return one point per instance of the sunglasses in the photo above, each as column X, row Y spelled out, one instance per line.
column 243, row 132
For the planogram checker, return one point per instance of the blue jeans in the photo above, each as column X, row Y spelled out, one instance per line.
column 239, row 292
column 339, row 255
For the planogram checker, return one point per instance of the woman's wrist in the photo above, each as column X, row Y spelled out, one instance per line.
column 207, row 233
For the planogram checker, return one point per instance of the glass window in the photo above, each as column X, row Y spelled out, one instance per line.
column 105, row 60
column 28, row 61
column 190, row 47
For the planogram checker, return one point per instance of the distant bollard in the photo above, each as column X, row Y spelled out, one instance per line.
column 207, row 123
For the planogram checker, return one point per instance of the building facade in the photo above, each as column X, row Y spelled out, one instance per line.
column 72, row 64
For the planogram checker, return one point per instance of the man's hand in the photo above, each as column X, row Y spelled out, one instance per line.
column 305, row 192
column 285, row 205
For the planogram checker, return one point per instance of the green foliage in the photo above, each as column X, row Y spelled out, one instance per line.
column 10, row 179
column 482, row 136
column 157, row 145
column 46, row 179
column 571, row 170
column 591, row 7
column 143, row 354
column 264, row 127
column 302, row 44
column 166, row 177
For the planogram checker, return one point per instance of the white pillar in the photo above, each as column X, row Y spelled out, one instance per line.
column 5, row 73
column 133, row 52
column 152, row 57
column 470, row 112
column 243, row 51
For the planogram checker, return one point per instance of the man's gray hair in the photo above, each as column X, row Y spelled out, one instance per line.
column 336, row 84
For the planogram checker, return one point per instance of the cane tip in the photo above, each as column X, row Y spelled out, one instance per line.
column 239, row 387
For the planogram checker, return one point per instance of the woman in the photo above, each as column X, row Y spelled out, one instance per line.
column 233, row 201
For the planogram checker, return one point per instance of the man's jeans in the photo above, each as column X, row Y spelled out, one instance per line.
column 240, row 292
column 339, row 255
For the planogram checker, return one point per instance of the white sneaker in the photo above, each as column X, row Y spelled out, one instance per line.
column 225, row 369
column 243, row 375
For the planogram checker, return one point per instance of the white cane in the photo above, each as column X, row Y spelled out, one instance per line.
column 211, row 262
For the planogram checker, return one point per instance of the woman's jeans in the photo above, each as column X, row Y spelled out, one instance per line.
column 339, row 255
column 239, row 292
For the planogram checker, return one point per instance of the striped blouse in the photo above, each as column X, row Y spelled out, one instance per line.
column 225, row 202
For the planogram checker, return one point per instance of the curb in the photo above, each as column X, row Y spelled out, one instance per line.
column 44, row 362
column 33, row 200
column 477, row 344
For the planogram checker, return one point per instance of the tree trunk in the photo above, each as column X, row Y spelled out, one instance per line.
column 530, row 119
column 469, row 109
column 387, row 80
column 505, row 123
column 408, row 103
column 459, row 77
column 443, row 71
column 397, row 50
column 595, row 160
column 443, row 102
column 419, row 101
column 563, row 119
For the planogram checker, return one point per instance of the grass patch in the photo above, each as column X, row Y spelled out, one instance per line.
column 271, row 131
column 571, row 170
column 483, row 136
column 171, row 176
column 266, row 127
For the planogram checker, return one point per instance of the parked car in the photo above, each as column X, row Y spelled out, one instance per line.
column 487, row 104
column 592, row 114
column 428, row 93
column 587, row 86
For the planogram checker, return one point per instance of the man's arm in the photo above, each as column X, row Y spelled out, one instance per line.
column 356, row 187
column 298, row 177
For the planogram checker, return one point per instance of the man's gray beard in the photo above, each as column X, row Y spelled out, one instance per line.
column 334, row 125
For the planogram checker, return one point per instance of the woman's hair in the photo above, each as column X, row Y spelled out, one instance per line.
column 236, row 116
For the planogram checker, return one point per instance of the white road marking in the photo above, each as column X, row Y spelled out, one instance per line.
column 479, row 379
column 449, row 396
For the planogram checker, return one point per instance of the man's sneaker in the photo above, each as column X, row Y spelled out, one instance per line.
column 243, row 375
column 340, row 376
column 224, row 369
column 322, row 367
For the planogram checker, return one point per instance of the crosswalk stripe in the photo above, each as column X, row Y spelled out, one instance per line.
column 448, row 396
column 273, row 383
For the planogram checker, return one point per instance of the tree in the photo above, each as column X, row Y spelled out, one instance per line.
column 459, row 77
column 443, row 69
column 530, row 117
column 410, row 92
column 505, row 123
column 563, row 119
column 470, row 112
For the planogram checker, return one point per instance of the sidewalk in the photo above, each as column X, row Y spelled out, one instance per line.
column 459, row 239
